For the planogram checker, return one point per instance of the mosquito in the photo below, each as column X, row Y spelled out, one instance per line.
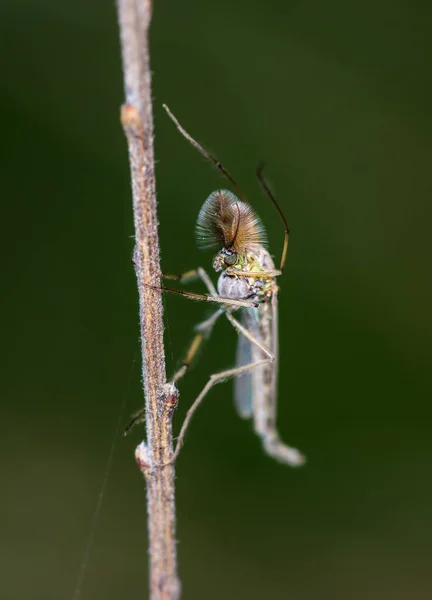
column 247, row 282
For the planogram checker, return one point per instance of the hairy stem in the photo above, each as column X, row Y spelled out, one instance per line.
column 160, row 398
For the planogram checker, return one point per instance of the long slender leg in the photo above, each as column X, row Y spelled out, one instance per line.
column 271, row 442
column 218, row 377
column 256, row 274
column 203, row 330
column 214, row 379
column 193, row 349
column 268, row 433
column 191, row 275
column 209, row 298
column 267, row 190
column 242, row 330
column 202, row 327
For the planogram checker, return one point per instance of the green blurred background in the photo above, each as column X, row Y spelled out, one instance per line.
column 336, row 97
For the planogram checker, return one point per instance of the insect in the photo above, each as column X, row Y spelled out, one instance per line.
column 247, row 282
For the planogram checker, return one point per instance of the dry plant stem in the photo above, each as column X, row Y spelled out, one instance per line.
column 160, row 398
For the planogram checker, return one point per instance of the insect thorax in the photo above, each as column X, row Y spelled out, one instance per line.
column 240, row 286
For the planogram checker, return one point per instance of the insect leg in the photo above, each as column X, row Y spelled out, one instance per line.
column 203, row 330
column 209, row 298
column 272, row 444
column 241, row 329
column 256, row 274
column 191, row 275
column 214, row 379
column 266, row 429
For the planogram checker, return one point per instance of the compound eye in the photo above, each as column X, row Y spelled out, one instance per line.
column 230, row 259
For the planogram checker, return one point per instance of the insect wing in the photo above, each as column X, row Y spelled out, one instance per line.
column 243, row 384
column 274, row 326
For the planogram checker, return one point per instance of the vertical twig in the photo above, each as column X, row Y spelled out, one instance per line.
column 160, row 398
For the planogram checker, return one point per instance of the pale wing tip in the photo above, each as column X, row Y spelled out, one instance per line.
column 244, row 410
